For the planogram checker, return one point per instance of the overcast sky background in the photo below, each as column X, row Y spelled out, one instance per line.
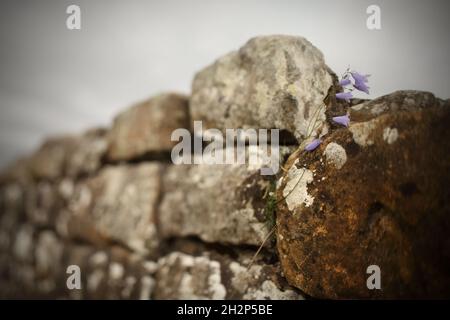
column 53, row 80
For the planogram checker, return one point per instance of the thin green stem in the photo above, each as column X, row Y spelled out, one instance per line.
column 308, row 134
column 260, row 247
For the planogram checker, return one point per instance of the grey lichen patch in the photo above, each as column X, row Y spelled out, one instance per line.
column 23, row 244
column 195, row 277
column 98, row 259
column 269, row 290
column 124, row 206
column 362, row 132
column 129, row 285
column 116, row 271
column 335, row 155
column 243, row 277
column 94, row 279
column 147, row 286
column 252, row 284
column 390, row 135
column 48, row 253
column 296, row 189
column 378, row 108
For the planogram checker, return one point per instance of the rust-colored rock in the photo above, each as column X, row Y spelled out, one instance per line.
column 373, row 194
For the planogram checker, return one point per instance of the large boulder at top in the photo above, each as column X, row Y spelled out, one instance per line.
column 271, row 82
column 146, row 127
column 373, row 194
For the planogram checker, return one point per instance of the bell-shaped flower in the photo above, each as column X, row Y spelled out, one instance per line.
column 343, row 120
column 313, row 145
column 360, row 77
column 345, row 82
column 361, row 86
column 344, row 96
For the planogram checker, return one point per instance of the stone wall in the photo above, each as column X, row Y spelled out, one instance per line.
column 112, row 202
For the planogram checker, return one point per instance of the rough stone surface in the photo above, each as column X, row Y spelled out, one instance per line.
column 336, row 154
column 112, row 273
column 87, row 153
column 138, row 226
column 147, row 127
column 16, row 173
column 197, row 201
column 49, row 161
column 271, row 82
column 183, row 276
column 402, row 100
column 218, row 203
column 118, row 204
column 387, row 205
column 69, row 155
column 41, row 203
column 38, row 269
column 214, row 276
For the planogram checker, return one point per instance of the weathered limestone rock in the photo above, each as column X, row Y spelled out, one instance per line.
column 117, row 205
column 31, row 263
column 42, row 203
column 218, row 203
column 373, row 194
column 63, row 156
column 16, row 173
column 112, row 273
column 271, row 82
column 17, row 273
column 37, row 267
column 183, row 276
column 11, row 205
column 147, row 127
column 86, row 155
column 49, row 161
column 214, row 276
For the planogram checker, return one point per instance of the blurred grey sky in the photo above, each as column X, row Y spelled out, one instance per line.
column 53, row 80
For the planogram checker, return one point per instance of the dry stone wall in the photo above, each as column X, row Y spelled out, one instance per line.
column 111, row 202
